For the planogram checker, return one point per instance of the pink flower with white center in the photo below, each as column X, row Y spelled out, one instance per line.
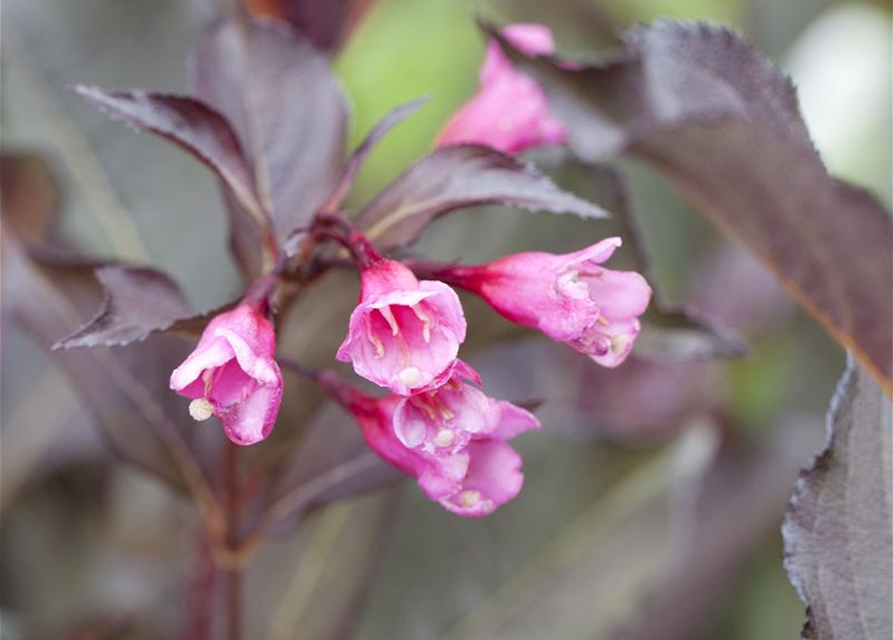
column 570, row 297
column 509, row 112
column 444, row 420
column 231, row 374
column 471, row 482
column 404, row 335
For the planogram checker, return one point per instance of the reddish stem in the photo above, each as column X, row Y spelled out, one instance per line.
column 233, row 572
column 201, row 591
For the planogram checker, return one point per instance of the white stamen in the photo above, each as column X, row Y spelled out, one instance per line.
column 379, row 347
column 410, row 376
column 426, row 322
column 444, row 438
column 200, row 409
column 469, row 497
column 388, row 315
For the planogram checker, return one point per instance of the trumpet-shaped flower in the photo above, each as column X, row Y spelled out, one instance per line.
column 231, row 374
column 404, row 334
column 570, row 297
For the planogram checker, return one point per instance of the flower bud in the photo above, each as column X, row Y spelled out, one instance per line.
column 509, row 112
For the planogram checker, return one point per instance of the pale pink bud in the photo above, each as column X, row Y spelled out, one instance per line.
column 509, row 112
column 474, row 480
column 404, row 334
column 569, row 297
column 231, row 374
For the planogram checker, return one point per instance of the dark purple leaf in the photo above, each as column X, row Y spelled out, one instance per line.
column 722, row 123
column 457, row 177
column 837, row 530
column 325, row 22
column 278, row 92
column 126, row 388
column 136, row 302
column 358, row 157
column 189, row 124
column 640, row 401
column 682, row 333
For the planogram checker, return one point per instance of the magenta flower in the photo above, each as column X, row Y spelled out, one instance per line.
column 570, row 297
column 404, row 335
column 232, row 374
column 509, row 112
column 471, row 482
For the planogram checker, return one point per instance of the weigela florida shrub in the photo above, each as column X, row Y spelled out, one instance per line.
column 405, row 334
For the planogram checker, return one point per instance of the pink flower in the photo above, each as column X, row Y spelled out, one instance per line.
column 474, row 480
column 444, row 420
column 568, row 297
column 232, row 374
column 509, row 112
column 404, row 335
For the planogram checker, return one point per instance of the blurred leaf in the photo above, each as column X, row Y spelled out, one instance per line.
column 737, row 506
column 837, row 530
column 126, row 388
column 723, row 125
column 640, row 401
column 189, row 124
column 326, row 23
column 136, row 302
column 681, row 333
column 456, row 177
column 604, row 534
column 313, row 584
column 358, row 157
column 287, row 108
column 333, row 463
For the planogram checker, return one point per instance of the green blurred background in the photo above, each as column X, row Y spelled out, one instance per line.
column 595, row 547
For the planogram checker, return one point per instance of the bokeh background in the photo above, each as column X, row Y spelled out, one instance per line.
column 654, row 496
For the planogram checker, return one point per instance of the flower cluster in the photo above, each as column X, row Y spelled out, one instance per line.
column 435, row 424
column 404, row 335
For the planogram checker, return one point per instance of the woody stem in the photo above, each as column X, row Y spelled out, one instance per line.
column 233, row 572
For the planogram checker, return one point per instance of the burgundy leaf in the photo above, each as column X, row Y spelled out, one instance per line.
column 683, row 333
column 358, row 157
column 126, row 389
column 456, row 177
column 837, row 530
column 136, row 302
column 189, row 124
column 722, row 123
column 324, row 22
column 278, row 92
